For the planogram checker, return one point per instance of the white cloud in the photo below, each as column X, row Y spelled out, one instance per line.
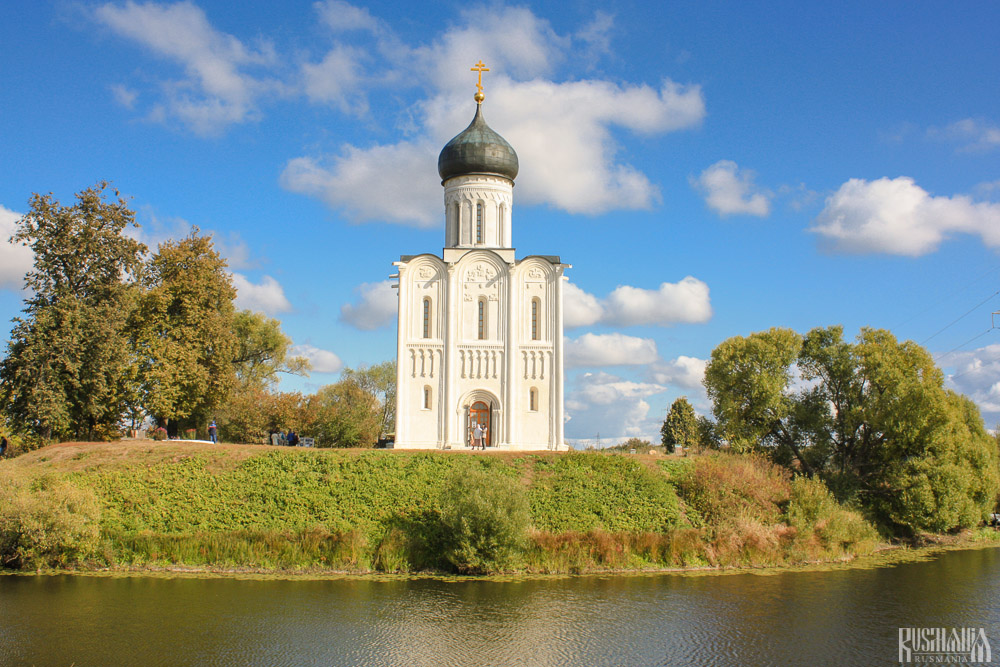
column 976, row 373
column 267, row 297
column 396, row 183
column 124, row 96
column 606, row 404
column 976, row 134
column 15, row 259
column 686, row 301
column 897, row 216
column 217, row 90
column 730, row 190
column 321, row 361
column 342, row 16
column 612, row 349
column 337, row 80
column 561, row 131
column 377, row 307
column 687, row 372
column 580, row 308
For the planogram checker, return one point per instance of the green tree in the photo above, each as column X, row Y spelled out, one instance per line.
column 262, row 350
column 379, row 381
column 871, row 418
column 345, row 415
column 68, row 364
column 186, row 332
column 681, row 426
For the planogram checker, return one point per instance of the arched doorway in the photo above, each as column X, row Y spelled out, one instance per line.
column 479, row 413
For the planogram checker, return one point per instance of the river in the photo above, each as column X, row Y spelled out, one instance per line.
column 839, row 617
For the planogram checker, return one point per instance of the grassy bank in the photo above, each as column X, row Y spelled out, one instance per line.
column 230, row 507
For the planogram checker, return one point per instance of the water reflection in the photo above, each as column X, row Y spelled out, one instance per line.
column 841, row 617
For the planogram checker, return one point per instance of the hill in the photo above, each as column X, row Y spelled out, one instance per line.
column 243, row 507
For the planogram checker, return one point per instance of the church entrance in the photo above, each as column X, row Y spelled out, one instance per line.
column 479, row 413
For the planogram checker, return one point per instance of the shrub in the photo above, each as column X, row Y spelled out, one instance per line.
column 824, row 528
column 47, row 522
column 484, row 520
column 727, row 488
column 158, row 434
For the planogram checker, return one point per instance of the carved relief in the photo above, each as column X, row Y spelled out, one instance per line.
column 536, row 273
column 425, row 273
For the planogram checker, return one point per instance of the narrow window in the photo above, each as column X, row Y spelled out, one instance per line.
column 479, row 223
column 427, row 318
column 534, row 319
column 427, row 398
column 482, row 319
column 533, row 400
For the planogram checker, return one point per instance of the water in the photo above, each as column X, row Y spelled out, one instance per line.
column 847, row 617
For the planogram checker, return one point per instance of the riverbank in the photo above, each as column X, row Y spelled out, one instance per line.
column 239, row 510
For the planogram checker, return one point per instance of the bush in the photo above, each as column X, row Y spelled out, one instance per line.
column 46, row 522
column 824, row 528
column 728, row 488
column 484, row 521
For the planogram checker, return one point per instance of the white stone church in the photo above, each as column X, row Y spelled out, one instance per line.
column 480, row 335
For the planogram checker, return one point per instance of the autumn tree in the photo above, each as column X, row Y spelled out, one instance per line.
column 681, row 426
column 186, row 332
column 262, row 350
column 345, row 415
column 379, row 381
column 68, row 363
column 872, row 418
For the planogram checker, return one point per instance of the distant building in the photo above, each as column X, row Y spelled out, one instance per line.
column 480, row 335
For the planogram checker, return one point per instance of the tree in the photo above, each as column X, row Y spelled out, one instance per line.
column 186, row 332
column 871, row 418
column 681, row 426
column 262, row 350
column 346, row 415
column 380, row 382
column 68, row 364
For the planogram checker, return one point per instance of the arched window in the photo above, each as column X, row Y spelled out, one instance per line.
column 536, row 305
column 533, row 400
column 482, row 319
column 479, row 223
column 427, row 318
column 427, row 398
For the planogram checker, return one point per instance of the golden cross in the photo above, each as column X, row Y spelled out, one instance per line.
column 480, row 67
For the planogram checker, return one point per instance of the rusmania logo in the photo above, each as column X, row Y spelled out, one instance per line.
column 943, row 646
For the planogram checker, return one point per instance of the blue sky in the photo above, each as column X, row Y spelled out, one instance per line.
column 709, row 169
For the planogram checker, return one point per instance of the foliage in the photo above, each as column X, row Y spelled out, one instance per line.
column 262, row 350
column 824, row 528
column 345, row 415
column 484, row 521
column 681, row 426
column 379, row 381
column 186, row 330
column 68, row 361
column 584, row 491
column 725, row 488
column 45, row 522
column 872, row 419
column 252, row 413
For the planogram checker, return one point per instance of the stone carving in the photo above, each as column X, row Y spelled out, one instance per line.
column 425, row 273
column 536, row 273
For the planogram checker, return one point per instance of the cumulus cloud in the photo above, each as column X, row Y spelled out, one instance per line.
column 342, row 16
column 608, row 405
column 15, row 259
column 562, row 131
column 729, row 190
column 267, row 297
column 684, row 302
column 975, row 134
column 217, row 89
column 976, row 373
column 395, row 183
column 896, row 216
column 377, row 306
column 687, row 372
column 320, row 361
column 612, row 349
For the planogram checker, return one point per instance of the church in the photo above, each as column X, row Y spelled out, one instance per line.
column 480, row 333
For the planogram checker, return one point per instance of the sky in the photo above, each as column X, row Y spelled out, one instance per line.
column 708, row 169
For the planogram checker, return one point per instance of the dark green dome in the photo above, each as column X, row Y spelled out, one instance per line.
column 477, row 150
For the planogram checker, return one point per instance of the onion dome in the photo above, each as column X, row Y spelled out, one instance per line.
column 477, row 150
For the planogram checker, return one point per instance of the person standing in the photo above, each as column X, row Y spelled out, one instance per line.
column 477, row 436
column 213, row 432
column 3, row 445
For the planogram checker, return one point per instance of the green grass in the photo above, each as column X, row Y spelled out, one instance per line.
column 261, row 508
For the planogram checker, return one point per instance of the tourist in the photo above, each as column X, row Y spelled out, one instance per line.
column 477, row 436
column 3, row 445
column 482, row 442
column 292, row 438
column 213, row 432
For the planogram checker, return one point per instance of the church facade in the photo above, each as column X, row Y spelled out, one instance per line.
column 480, row 333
